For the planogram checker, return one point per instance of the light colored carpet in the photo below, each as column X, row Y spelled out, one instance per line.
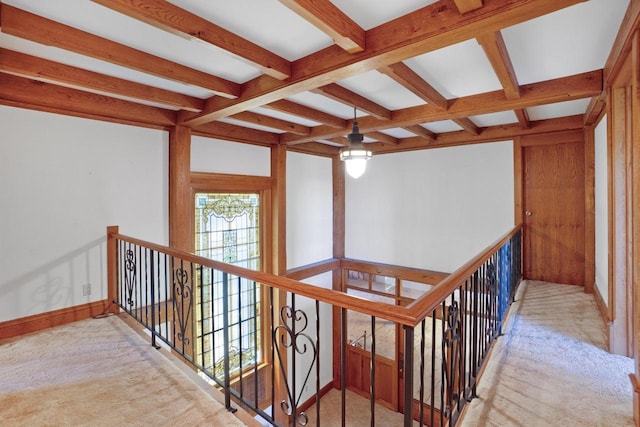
column 98, row 372
column 551, row 367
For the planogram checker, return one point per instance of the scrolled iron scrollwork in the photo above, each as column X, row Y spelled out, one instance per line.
column 491, row 279
column 182, row 302
column 452, row 341
column 130, row 275
column 300, row 343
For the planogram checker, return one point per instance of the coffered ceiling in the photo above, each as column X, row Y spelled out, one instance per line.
column 420, row 73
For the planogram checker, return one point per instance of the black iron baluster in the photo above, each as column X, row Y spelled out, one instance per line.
column 292, row 393
column 119, row 270
column 443, row 363
column 254, row 304
column 166, row 296
column 318, row 364
column 433, row 365
column 468, row 333
column 153, row 303
column 145, row 291
column 408, row 375
column 483, row 291
column 475, row 333
column 462, row 346
column 273, row 360
column 173, row 306
column 343, row 365
column 158, row 296
column 372, row 368
column 225, row 334
column 203, row 331
column 240, row 333
column 422, row 345
column 138, row 305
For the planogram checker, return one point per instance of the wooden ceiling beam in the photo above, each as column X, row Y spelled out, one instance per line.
column 465, row 6
column 346, row 96
column 332, row 21
column 341, row 140
column 168, row 17
column 467, row 125
column 57, row 73
column 50, row 97
column 595, row 109
column 432, row 27
column 523, row 118
column 488, row 134
column 402, row 74
column 579, row 86
column 290, row 107
column 272, row 122
column 316, row 149
column 421, row 131
column 496, row 51
column 383, row 138
column 20, row 23
column 231, row 132
column 409, row 79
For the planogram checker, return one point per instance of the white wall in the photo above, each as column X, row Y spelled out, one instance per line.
column 63, row 180
column 214, row 155
column 602, row 211
column 432, row 209
column 309, row 209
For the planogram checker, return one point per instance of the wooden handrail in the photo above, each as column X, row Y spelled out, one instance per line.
column 424, row 305
column 428, row 277
column 382, row 310
column 410, row 315
column 310, row 270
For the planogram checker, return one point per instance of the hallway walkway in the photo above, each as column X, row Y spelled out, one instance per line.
column 550, row 368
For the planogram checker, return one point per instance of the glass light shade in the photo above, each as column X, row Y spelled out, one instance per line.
column 355, row 159
column 356, row 167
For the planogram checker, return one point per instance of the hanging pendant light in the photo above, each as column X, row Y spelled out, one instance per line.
column 355, row 155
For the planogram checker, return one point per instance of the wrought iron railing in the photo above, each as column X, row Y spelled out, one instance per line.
column 258, row 337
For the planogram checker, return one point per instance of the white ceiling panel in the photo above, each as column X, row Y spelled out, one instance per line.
column 371, row 13
column 322, row 103
column 570, row 41
column 138, row 35
column 574, row 40
column 284, row 116
column 95, row 65
column 382, row 90
column 495, row 119
column 458, row 70
column 442, row 126
column 398, row 133
column 267, row 23
column 559, row 109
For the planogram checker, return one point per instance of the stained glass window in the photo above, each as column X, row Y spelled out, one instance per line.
column 227, row 229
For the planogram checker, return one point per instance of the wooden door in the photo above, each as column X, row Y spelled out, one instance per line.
column 554, row 210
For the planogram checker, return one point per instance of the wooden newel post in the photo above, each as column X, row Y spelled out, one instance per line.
column 112, row 270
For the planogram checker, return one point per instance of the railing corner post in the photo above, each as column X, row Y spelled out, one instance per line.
column 111, row 305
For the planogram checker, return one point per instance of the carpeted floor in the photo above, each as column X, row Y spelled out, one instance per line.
column 98, row 372
column 551, row 367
